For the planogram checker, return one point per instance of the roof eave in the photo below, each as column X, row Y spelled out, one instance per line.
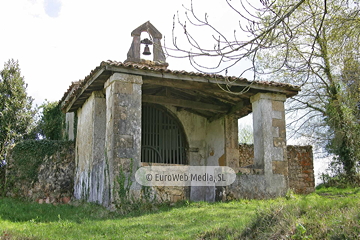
column 67, row 106
column 289, row 91
column 73, row 98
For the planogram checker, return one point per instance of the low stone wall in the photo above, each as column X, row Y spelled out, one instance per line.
column 161, row 193
column 52, row 177
column 172, row 194
column 300, row 166
column 246, row 155
column 301, row 169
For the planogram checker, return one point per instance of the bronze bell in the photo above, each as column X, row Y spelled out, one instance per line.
column 147, row 50
column 147, row 42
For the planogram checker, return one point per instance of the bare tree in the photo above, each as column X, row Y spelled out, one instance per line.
column 304, row 42
column 231, row 50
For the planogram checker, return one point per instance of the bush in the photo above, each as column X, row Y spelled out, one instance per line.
column 26, row 158
column 52, row 122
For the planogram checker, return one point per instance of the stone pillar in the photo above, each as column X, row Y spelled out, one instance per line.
column 99, row 182
column 69, row 122
column 231, row 142
column 90, row 175
column 269, row 133
column 123, row 124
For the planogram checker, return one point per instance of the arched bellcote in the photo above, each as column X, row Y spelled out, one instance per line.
column 133, row 55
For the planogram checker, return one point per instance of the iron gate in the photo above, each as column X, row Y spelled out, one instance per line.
column 162, row 138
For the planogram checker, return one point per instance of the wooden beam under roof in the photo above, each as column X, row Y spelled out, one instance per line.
column 185, row 103
column 200, row 79
column 175, row 84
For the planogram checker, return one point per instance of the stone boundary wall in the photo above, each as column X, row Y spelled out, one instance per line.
column 301, row 168
column 246, row 155
column 55, row 182
column 55, row 178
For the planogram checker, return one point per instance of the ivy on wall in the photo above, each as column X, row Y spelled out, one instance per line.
column 27, row 156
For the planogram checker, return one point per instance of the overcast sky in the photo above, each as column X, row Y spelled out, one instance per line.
column 60, row 41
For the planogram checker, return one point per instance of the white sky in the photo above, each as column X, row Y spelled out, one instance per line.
column 60, row 41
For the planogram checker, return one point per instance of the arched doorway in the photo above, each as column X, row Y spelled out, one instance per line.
column 162, row 137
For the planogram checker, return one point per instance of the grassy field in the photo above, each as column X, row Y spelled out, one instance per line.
column 327, row 214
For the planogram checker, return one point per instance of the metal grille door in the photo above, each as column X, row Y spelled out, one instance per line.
column 162, row 139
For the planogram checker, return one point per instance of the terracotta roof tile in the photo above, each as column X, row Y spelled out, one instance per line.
column 76, row 87
column 199, row 74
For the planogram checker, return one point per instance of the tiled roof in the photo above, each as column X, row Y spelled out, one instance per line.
column 76, row 87
column 199, row 74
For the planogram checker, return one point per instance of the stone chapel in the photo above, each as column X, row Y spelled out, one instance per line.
column 139, row 112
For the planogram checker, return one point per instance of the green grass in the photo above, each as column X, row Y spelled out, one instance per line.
column 327, row 214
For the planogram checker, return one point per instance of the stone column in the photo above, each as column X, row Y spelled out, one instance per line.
column 269, row 133
column 231, row 142
column 123, row 124
column 99, row 182
column 90, row 175
column 69, row 121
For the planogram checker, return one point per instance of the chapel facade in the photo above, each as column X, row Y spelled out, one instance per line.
column 139, row 113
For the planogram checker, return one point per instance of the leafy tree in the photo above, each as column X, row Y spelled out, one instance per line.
column 342, row 116
column 321, row 58
column 16, row 114
column 52, row 121
column 246, row 134
column 311, row 43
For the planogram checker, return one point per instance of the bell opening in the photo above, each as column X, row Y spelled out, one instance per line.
column 146, row 46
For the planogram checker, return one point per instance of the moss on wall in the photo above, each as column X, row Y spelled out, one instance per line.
column 43, row 167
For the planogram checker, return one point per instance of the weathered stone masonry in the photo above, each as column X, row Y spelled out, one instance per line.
column 56, row 175
column 123, row 125
column 54, row 180
column 267, row 176
column 92, row 171
column 301, row 169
